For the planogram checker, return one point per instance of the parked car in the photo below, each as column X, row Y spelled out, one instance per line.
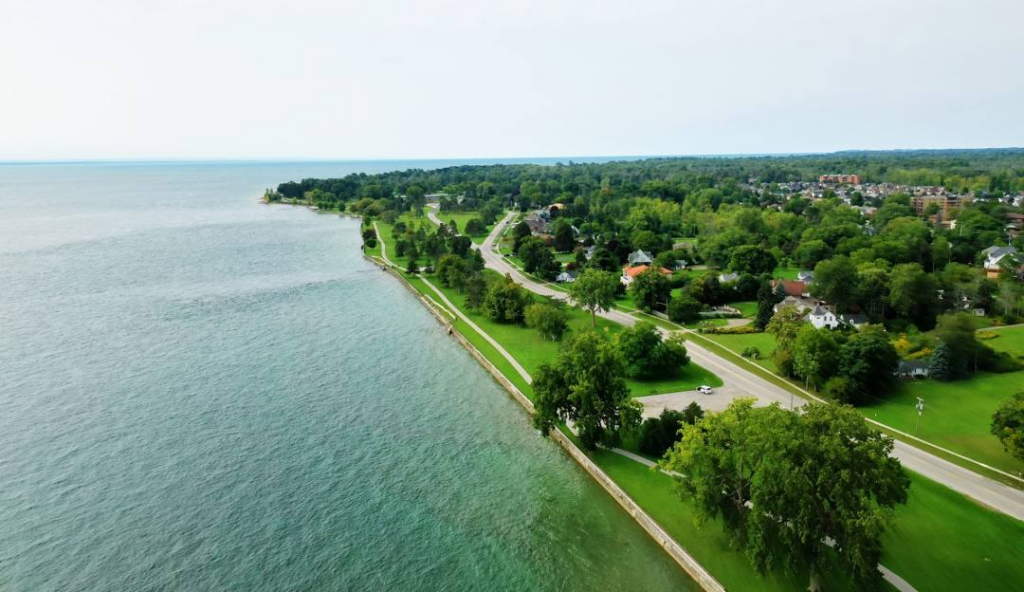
column 704, row 389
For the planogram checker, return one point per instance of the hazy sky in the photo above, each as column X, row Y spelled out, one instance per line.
column 396, row 78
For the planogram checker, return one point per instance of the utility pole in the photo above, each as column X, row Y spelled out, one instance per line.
column 920, row 410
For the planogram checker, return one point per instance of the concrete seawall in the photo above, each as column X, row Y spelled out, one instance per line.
column 670, row 545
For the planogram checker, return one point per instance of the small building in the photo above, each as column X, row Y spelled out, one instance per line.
column 639, row 257
column 679, row 264
column 629, row 273
column 792, row 288
column 589, row 252
column 854, row 321
column 802, row 305
column 725, row 278
column 822, row 317
column 912, row 369
column 994, row 257
column 566, row 277
column 805, row 277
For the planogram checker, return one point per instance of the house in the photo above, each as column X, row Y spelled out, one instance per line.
column 978, row 312
column 793, row 288
column 854, row 321
column 566, row 277
column 589, row 252
column 725, row 278
column 629, row 273
column 679, row 264
column 822, row 317
column 994, row 258
column 912, row 369
column 805, row 277
column 538, row 225
column 802, row 305
column 639, row 257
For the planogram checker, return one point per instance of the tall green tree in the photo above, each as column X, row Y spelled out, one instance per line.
column 650, row 288
column 766, row 301
column 914, row 294
column 752, row 259
column 550, row 321
column 594, row 291
column 812, row 492
column 835, row 280
column 815, row 355
column 645, row 354
column 585, row 385
column 869, row 360
column 506, row 301
column 565, row 239
column 1008, row 425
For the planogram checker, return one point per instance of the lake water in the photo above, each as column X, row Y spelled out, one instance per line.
column 201, row 392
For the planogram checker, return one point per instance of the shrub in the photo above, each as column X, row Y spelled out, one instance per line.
column 550, row 321
column 658, row 434
column 684, row 309
column 751, row 352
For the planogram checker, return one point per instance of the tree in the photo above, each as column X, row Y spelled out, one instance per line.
column 520, row 232
column 475, row 289
column 766, row 301
column 506, row 301
column 594, row 291
column 835, row 280
column 869, row 360
column 565, row 239
column 650, row 288
column 658, row 434
column 785, row 326
column 815, row 355
column 753, row 260
column 684, row 309
column 412, row 267
column 585, row 386
column 550, row 321
column 646, row 355
column 1008, row 425
column 956, row 331
column 706, row 288
column 537, row 257
column 773, row 477
column 940, row 364
column 475, row 227
column 914, row 294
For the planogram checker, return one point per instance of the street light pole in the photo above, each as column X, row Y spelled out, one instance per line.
column 920, row 410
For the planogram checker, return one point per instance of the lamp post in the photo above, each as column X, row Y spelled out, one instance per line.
column 920, row 410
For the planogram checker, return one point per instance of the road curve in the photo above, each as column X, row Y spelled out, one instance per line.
column 984, row 490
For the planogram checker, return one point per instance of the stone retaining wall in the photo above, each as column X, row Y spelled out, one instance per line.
column 673, row 548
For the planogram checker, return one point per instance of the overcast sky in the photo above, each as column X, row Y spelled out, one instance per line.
column 424, row 79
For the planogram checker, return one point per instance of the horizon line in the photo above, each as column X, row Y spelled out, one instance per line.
column 293, row 159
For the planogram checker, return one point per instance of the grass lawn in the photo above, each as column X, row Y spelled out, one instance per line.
column 748, row 308
column 1010, row 340
column 460, row 219
column 944, row 541
column 389, row 241
column 737, row 343
column 785, row 273
column 940, row 540
column 956, row 415
column 531, row 350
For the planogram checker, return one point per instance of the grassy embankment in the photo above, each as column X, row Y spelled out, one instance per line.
column 461, row 218
column 940, row 540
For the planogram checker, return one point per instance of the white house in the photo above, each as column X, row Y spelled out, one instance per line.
column 994, row 257
column 822, row 317
column 805, row 277
column 566, row 277
column 640, row 257
column 724, row 278
column 855, row 321
column 802, row 305
column 913, row 369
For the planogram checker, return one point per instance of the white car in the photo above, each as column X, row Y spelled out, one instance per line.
column 704, row 389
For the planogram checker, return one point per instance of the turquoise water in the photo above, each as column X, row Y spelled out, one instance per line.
column 200, row 392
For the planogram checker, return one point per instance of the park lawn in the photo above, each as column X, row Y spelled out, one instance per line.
column 785, row 273
column 738, row 342
column 655, row 492
column 390, row 242
column 461, row 218
column 1009, row 340
column 939, row 540
column 531, row 350
column 748, row 308
column 956, row 416
column 944, row 541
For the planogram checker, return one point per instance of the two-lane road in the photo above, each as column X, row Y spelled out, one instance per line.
column 738, row 382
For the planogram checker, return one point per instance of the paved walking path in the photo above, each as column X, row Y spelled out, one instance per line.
column 740, row 381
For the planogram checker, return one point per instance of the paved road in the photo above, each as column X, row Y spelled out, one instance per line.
column 739, row 381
